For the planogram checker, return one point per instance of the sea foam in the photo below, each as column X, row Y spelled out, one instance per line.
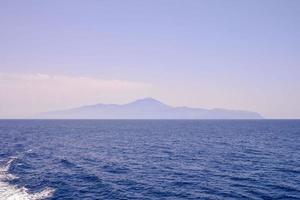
column 12, row 192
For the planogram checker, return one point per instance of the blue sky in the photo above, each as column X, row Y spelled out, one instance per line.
column 229, row 54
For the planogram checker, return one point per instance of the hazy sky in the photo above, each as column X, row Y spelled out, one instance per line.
column 240, row 54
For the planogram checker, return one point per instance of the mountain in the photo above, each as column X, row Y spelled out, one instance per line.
column 147, row 108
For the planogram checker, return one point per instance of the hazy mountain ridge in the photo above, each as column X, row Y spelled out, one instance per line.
column 147, row 108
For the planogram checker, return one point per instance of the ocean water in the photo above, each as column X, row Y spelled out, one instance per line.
column 149, row 159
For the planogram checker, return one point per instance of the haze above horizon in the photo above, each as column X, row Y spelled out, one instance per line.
column 240, row 55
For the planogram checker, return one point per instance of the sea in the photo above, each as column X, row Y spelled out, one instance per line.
column 149, row 159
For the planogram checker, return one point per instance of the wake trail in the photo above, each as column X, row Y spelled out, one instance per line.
column 12, row 192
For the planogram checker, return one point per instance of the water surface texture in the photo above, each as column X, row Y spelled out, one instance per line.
column 149, row 159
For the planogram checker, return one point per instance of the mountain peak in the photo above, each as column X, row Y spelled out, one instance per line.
column 147, row 99
column 148, row 102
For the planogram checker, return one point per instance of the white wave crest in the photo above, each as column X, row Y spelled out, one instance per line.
column 12, row 192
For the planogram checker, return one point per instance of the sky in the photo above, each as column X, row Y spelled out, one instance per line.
column 235, row 54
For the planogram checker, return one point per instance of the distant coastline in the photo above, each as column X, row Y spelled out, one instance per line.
column 147, row 108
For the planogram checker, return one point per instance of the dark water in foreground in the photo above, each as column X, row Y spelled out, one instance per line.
column 111, row 159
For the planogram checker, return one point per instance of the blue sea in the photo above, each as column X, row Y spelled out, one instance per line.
column 149, row 159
